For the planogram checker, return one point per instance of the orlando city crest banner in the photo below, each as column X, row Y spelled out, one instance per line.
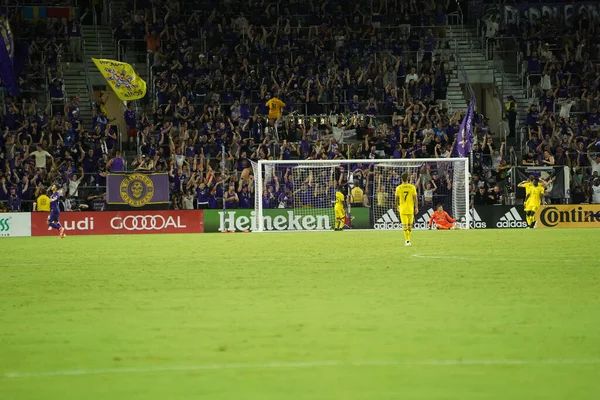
column 7, row 53
column 137, row 190
column 122, row 78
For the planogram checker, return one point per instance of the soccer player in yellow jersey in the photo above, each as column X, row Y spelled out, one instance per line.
column 526, row 185
column 340, row 212
column 534, row 193
column 406, row 201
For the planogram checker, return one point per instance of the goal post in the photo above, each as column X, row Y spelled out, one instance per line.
column 300, row 194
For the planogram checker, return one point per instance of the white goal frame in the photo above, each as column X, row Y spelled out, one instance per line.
column 258, row 179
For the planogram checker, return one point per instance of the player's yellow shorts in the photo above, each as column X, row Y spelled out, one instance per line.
column 407, row 219
column 339, row 212
column 532, row 208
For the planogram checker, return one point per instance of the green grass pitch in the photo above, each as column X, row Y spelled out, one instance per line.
column 490, row 314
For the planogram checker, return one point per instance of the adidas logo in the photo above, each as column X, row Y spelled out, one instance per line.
column 476, row 221
column 423, row 221
column 388, row 221
column 512, row 219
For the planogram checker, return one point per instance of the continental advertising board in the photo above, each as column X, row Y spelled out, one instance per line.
column 568, row 216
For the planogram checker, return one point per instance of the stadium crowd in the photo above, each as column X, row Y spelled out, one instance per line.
column 561, row 68
column 352, row 88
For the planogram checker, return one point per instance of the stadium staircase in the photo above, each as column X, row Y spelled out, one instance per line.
column 473, row 58
column 81, row 77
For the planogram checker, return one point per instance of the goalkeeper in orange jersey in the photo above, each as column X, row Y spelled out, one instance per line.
column 442, row 219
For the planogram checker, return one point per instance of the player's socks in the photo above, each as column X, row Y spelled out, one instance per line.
column 55, row 226
column 409, row 235
column 406, row 237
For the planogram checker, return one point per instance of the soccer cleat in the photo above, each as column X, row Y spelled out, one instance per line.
column 407, row 244
column 61, row 233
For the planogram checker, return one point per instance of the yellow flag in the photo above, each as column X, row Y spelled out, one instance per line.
column 122, row 78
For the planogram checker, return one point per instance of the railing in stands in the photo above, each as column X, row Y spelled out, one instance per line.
column 90, row 90
column 97, row 32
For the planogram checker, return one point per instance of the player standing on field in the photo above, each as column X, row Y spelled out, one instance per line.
column 340, row 212
column 53, row 218
column 406, row 201
column 534, row 192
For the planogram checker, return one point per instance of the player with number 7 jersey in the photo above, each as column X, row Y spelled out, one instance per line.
column 406, row 201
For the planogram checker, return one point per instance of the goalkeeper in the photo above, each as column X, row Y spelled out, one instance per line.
column 442, row 219
column 340, row 211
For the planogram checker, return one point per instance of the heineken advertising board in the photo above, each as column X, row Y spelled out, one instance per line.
column 280, row 219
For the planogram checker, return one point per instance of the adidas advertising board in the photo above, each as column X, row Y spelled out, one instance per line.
column 501, row 217
column 482, row 217
column 422, row 222
column 511, row 219
column 476, row 221
column 388, row 221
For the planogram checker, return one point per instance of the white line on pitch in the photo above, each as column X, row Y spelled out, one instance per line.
column 300, row 364
column 453, row 257
column 19, row 265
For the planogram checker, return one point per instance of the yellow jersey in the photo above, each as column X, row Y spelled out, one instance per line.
column 356, row 195
column 339, row 199
column 382, row 198
column 275, row 105
column 527, row 186
column 535, row 195
column 43, row 203
column 405, row 197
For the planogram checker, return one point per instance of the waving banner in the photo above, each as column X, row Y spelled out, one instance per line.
column 465, row 133
column 137, row 190
column 122, row 78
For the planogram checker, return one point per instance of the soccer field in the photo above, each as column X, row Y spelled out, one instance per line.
column 487, row 314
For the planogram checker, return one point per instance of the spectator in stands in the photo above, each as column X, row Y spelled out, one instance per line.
column 42, row 201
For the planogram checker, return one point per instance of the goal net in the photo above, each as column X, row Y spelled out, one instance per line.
column 300, row 195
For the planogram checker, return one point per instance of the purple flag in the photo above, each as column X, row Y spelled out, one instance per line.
column 137, row 190
column 465, row 134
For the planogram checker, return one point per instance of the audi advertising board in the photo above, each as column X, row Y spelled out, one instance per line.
column 121, row 222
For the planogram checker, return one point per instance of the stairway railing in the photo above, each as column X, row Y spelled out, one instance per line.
column 87, row 73
column 96, row 31
column 460, row 68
